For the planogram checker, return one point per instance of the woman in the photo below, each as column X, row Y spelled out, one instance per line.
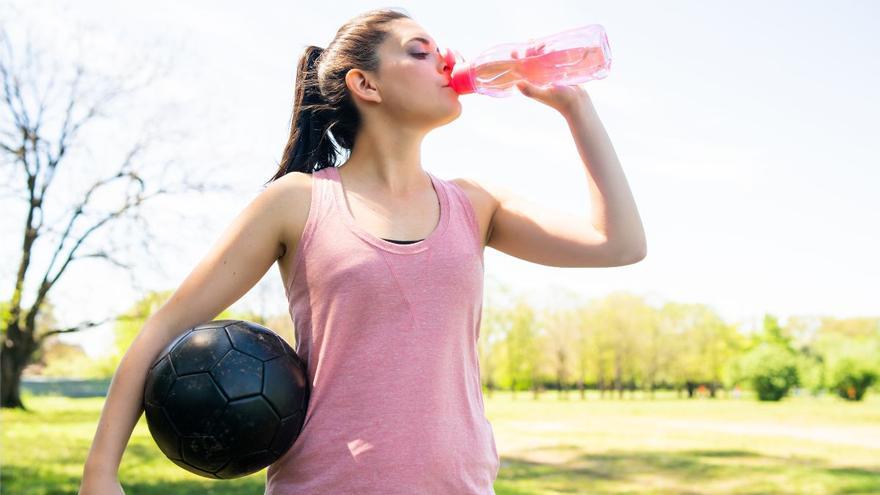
column 382, row 264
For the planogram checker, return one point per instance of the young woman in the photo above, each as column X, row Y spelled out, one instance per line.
column 382, row 264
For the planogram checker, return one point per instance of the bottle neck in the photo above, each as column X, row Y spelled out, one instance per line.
column 462, row 82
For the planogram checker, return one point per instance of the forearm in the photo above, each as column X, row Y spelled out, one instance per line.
column 614, row 210
column 123, row 405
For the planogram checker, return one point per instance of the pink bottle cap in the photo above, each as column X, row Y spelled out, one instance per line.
column 460, row 78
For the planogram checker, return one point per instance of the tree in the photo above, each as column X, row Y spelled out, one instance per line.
column 850, row 352
column 659, row 351
column 561, row 331
column 600, row 351
column 40, row 127
column 493, row 328
column 522, row 352
column 771, row 369
column 852, row 375
column 62, row 360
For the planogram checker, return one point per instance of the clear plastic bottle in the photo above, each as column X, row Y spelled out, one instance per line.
column 569, row 57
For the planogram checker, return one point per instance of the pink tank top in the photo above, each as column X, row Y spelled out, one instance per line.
column 389, row 332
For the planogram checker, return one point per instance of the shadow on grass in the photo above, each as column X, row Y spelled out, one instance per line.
column 686, row 472
column 153, row 474
column 44, row 480
column 682, row 472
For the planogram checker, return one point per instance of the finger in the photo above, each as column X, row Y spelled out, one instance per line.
column 534, row 50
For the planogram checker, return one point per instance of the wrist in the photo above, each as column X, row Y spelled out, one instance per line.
column 99, row 469
column 579, row 107
column 579, row 111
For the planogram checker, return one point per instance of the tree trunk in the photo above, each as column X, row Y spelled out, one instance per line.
column 10, row 377
column 618, row 375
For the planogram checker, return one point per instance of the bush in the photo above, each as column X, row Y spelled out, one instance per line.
column 811, row 374
column 771, row 369
column 851, row 377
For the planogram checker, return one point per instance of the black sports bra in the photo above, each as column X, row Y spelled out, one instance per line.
column 402, row 242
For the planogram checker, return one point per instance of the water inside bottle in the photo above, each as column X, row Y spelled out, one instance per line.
column 566, row 66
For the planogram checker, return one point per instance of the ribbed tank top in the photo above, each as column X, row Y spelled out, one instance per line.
column 389, row 333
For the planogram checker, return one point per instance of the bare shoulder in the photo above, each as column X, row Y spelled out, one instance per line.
column 294, row 192
column 483, row 200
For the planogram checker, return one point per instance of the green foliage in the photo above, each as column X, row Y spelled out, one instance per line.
column 65, row 361
column 126, row 330
column 851, row 377
column 771, row 369
column 851, row 351
column 5, row 314
column 776, row 334
column 621, row 341
column 811, row 373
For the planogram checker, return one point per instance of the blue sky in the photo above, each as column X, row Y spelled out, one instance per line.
column 747, row 132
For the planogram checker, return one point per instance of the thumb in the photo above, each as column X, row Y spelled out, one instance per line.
column 524, row 87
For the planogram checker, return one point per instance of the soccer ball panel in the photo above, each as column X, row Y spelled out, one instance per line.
column 284, row 385
column 290, row 428
column 163, row 431
column 159, row 382
column 194, row 393
column 205, row 452
column 253, row 340
column 199, row 350
column 238, row 375
column 247, row 464
column 249, row 421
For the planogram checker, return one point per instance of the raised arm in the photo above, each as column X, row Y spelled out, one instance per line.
column 614, row 236
column 234, row 264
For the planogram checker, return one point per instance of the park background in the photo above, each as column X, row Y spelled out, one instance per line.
column 747, row 133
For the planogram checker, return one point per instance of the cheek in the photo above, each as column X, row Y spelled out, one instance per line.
column 412, row 95
column 414, row 89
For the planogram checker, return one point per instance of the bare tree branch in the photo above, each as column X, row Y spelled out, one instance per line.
column 31, row 156
column 86, row 325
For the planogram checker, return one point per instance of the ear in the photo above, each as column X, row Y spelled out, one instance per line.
column 360, row 83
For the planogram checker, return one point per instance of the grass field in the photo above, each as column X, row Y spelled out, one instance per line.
column 666, row 446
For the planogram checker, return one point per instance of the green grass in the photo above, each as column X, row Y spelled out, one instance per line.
column 665, row 446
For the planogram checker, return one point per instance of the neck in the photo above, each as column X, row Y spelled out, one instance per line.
column 387, row 161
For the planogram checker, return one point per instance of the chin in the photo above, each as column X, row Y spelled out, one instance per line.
column 454, row 114
column 448, row 119
column 443, row 115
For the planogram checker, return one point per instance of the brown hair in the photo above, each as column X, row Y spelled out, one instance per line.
column 322, row 106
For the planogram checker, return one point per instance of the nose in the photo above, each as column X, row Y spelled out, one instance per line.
column 447, row 60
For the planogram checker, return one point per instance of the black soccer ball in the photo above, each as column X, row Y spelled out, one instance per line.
column 226, row 398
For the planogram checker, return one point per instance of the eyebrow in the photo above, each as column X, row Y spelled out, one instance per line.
column 419, row 38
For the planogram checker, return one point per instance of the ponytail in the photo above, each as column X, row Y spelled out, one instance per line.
column 307, row 148
column 324, row 117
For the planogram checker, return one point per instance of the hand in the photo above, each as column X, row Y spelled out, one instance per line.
column 562, row 97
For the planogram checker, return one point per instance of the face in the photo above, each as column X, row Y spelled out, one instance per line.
column 409, row 85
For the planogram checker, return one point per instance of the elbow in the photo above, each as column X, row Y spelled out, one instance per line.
column 633, row 256
column 642, row 252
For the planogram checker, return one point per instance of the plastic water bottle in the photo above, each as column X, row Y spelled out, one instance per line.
column 569, row 57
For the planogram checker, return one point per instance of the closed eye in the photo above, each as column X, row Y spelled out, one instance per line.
column 423, row 55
